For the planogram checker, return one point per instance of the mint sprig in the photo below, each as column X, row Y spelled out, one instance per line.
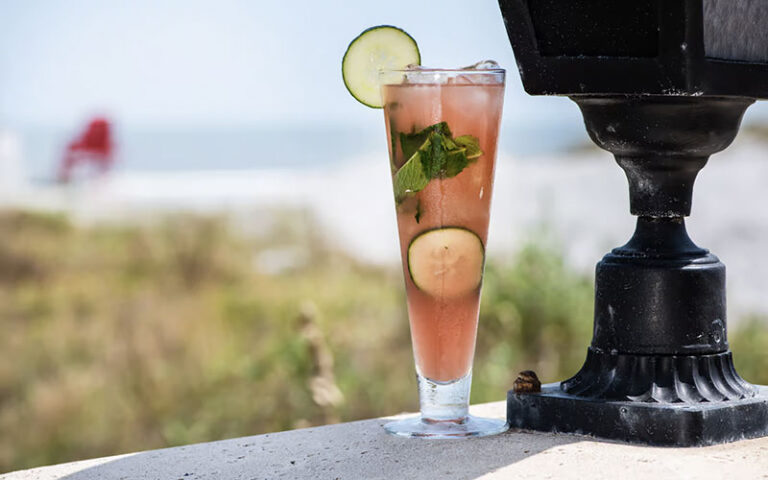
column 432, row 153
column 411, row 142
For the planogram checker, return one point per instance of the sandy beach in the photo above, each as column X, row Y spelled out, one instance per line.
column 580, row 198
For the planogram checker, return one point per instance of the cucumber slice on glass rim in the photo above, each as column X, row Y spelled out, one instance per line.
column 446, row 262
column 378, row 48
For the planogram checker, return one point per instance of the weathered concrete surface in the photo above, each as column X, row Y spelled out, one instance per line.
column 361, row 450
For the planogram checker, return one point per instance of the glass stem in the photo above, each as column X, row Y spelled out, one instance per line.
column 444, row 402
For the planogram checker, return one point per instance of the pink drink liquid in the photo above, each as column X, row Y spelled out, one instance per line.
column 444, row 328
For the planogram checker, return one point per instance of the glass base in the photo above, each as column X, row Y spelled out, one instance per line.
column 469, row 427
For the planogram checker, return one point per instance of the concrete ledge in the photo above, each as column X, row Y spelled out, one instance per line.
column 361, row 450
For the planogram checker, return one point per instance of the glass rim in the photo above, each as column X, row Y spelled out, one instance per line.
column 471, row 71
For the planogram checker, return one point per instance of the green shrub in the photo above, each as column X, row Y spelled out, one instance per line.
column 119, row 338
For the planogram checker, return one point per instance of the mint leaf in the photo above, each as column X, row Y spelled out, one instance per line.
column 434, row 156
column 448, row 143
column 471, row 144
column 442, row 157
column 412, row 142
column 456, row 161
column 410, row 178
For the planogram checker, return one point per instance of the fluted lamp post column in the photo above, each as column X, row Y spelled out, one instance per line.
column 662, row 85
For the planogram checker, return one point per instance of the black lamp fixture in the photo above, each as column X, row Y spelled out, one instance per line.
column 662, row 85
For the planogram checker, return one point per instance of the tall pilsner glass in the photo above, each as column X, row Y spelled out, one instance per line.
column 442, row 127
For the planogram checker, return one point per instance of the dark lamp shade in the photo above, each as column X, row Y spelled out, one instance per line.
column 655, row 47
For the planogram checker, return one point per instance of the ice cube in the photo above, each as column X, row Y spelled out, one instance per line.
column 483, row 65
column 421, row 74
column 461, row 80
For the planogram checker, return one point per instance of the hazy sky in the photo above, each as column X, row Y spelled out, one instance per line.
column 224, row 61
column 240, row 62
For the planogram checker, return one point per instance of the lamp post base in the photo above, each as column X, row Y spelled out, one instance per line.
column 659, row 424
column 658, row 370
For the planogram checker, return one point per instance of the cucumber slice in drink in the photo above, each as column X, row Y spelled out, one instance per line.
column 378, row 48
column 446, row 262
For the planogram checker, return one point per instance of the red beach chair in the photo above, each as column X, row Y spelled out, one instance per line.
column 94, row 145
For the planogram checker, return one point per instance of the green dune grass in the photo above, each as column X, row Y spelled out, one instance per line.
column 118, row 338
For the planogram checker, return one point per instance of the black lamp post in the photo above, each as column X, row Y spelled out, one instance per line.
column 662, row 85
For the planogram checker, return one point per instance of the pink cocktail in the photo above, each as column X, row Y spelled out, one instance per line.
column 442, row 127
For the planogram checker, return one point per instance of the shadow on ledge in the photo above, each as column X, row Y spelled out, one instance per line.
column 346, row 451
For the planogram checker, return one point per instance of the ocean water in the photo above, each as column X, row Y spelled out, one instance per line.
column 312, row 147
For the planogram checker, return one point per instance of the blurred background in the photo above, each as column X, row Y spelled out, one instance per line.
column 197, row 238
